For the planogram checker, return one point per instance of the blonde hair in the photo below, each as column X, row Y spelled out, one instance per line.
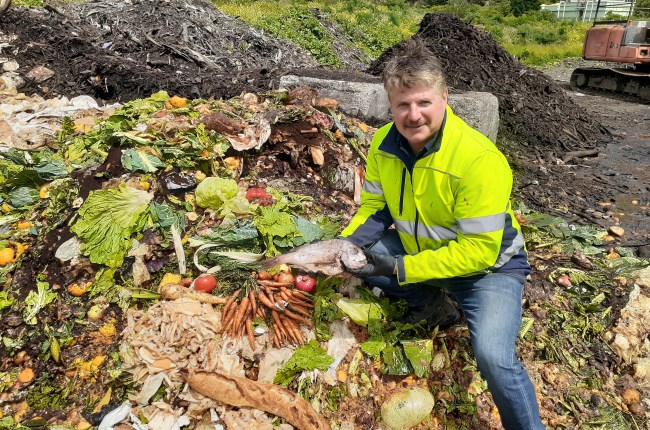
column 412, row 62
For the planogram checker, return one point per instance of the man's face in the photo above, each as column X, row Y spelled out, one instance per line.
column 418, row 112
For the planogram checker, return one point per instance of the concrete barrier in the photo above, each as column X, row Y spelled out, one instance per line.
column 365, row 98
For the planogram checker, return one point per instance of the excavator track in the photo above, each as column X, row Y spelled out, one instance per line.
column 619, row 80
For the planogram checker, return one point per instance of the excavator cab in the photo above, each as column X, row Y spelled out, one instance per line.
column 618, row 42
column 624, row 42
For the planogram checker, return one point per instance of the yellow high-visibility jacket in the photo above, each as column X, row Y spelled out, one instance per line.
column 451, row 207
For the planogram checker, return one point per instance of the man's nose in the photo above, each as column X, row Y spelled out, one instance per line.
column 414, row 113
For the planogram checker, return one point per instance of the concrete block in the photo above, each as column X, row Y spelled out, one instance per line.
column 366, row 98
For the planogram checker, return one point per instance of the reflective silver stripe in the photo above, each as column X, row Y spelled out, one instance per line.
column 407, row 227
column 436, row 232
column 482, row 224
column 427, row 232
column 373, row 188
column 511, row 251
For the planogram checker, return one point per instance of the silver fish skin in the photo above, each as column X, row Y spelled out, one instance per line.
column 329, row 257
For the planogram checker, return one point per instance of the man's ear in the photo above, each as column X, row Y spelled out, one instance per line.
column 445, row 95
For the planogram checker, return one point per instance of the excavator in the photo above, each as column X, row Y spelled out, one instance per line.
column 626, row 43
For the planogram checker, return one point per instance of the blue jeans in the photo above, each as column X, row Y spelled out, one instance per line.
column 491, row 304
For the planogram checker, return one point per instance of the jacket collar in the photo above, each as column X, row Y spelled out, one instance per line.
column 394, row 143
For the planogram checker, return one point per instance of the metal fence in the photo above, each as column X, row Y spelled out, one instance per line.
column 588, row 11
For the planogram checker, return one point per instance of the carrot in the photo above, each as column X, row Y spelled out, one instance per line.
column 301, row 304
column 275, row 303
column 231, row 299
column 278, row 324
column 284, row 294
column 263, row 298
column 300, row 310
column 243, row 308
column 297, row 317
column 276, row 340
column 242, row 326
column 249, row 331
column 269, row 283
column 289, row 329
column 301, row 294
column 253, row 300
column 260, row 313
column 228, row 309
column 295, row 330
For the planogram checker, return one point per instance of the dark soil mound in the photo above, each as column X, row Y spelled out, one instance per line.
column 118, row 51
column 533, row 110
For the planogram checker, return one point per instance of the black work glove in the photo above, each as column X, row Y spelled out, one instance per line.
column 378, row 265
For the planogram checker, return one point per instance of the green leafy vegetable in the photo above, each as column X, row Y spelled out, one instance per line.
column 141, row 161
column 222, row 195
column 310, row 356
column 276, row 227
column 213, row 192
column 361, row 311
column 23, row 196
column 62, row 192
column 240, row 234
column 35, row 301
column 108, row 218
column 419, row 353
column 325, row 309
column 5, row 300
column 373, row 348
column 165, row 216
column 394, row 361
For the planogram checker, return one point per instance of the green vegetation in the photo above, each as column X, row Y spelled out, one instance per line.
column 535, row 37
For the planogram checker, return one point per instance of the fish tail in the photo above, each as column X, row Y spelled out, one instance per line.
column 270, row 262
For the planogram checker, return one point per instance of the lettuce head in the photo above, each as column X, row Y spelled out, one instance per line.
column 223, row 196
column 107, row 220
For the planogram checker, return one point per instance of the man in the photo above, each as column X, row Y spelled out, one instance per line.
column 446, row 188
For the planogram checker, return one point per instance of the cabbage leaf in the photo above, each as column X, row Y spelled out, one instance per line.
column 35, row 301
column 108, row 219
column 308, row 357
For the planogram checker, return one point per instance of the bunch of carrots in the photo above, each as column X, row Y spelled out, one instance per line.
column 283, row 307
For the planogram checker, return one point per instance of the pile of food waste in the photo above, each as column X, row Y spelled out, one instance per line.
column 173, row 263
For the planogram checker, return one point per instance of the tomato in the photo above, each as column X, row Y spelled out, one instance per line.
column 205, row 283
column 564, row 280
column 256, row 193
column 305, row 283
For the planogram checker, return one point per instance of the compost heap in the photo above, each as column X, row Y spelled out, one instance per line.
column 104, row 220
column 90, row 329
column 534, row 111
column 120, row 51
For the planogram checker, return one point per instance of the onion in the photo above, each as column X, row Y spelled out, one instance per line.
column 407, row 408
column 286, row 277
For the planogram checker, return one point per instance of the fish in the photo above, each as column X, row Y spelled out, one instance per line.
column 329, row 257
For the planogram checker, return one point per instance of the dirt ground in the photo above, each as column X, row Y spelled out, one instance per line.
column 614, row 186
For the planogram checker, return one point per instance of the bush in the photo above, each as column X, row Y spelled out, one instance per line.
column 542, row 35
column 519, row 7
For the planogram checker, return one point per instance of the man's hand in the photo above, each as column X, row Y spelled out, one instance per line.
column 378, row 265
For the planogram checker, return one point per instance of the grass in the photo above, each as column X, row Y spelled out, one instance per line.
column 536, row 38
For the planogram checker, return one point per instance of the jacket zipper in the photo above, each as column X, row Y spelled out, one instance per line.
column 417, row 214
column 401, row 194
